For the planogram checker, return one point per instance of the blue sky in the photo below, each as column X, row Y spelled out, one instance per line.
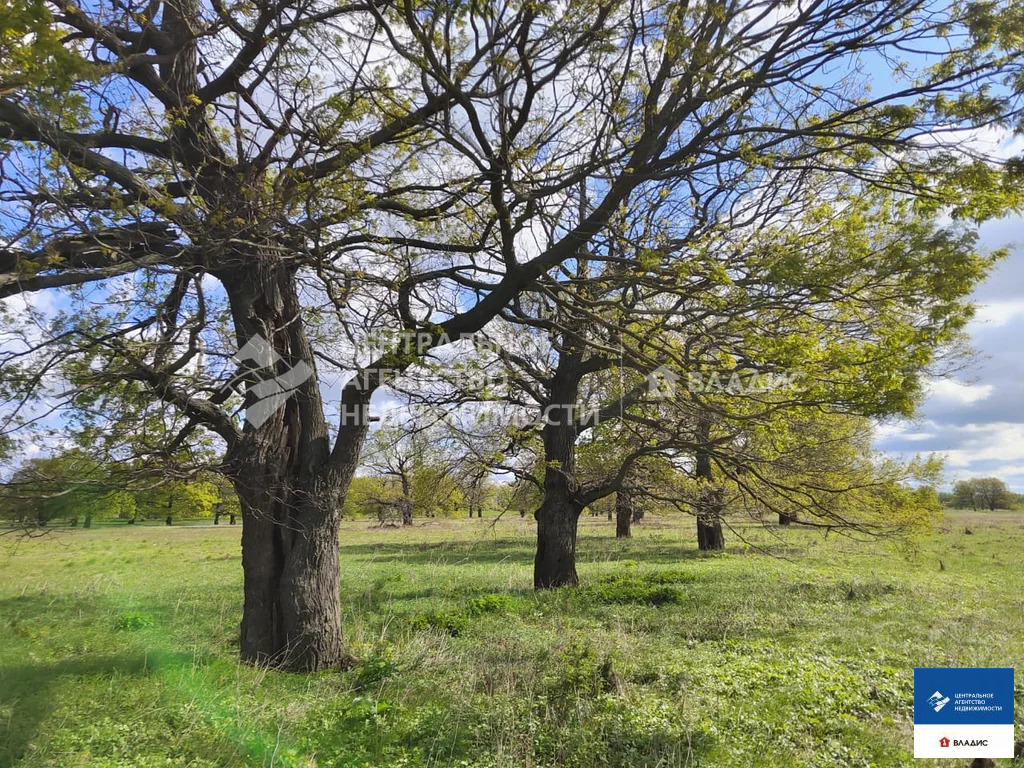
column 976, row 420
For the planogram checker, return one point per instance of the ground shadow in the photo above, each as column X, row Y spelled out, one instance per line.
column 27, row 691
column 518, row 550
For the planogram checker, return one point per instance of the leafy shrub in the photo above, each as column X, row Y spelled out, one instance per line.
column 491, row 603
column 132, row 622
column 455, row 622
column 451, row 622
column 375, row 668
column 643, row 589
column 580, row 672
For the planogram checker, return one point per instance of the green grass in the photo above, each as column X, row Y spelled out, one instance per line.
column 118, row 645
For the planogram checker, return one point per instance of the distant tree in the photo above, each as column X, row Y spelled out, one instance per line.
column 963, row 495
column 395, row 454
column 67, row 486
column 191, row 498
column 436, row 492
column 368, row 498
column 414, row 460
column 227, row 503
column 993, row 493
column 521, row 495
column 982, row 493
column 475, row 486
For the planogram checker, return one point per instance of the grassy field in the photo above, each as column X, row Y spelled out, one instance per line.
column 117, row 648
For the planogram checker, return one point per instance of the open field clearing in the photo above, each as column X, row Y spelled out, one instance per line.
column 118, row 648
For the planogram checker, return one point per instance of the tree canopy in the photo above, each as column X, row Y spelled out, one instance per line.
column 245, row 208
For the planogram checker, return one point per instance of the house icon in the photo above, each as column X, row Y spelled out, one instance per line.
column 662, row 382
column 943, row 742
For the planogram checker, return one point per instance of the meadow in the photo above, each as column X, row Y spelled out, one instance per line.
column 118, row 647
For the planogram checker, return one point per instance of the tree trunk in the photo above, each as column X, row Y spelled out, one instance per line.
column 709, row 503
column 785, row 519
column 88, row 521
column 558, row 516
column 406, row 503
column 291, row 617
column 555, row 562
column 231, row 519
column 709, row 533
column 287, row 478
column 624, row 511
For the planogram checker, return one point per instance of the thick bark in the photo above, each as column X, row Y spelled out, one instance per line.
column 709, row 533
column 625, row 509
column 288, row 481
column 709, row 503
column 406, row 503
column 555, row 561
column 291, row 616
column 558, row 516
column 88, row 521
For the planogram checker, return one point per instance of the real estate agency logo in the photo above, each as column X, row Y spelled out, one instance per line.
column 945, row 742
column 938, row 701
column 963, row 712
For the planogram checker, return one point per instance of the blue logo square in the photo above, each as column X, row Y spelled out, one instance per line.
column 963, row 696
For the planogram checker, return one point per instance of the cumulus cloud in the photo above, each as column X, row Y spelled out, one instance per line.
column 977, row 422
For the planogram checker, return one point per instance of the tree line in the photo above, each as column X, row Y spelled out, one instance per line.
column 989, row 493
column 73, row 489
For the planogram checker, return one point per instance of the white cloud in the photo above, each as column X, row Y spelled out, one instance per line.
column 997, row 314
column 986, row 442
column 990, row 141
column 958, row 392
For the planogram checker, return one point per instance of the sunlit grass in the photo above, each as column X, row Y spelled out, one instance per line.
column 117, row 648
